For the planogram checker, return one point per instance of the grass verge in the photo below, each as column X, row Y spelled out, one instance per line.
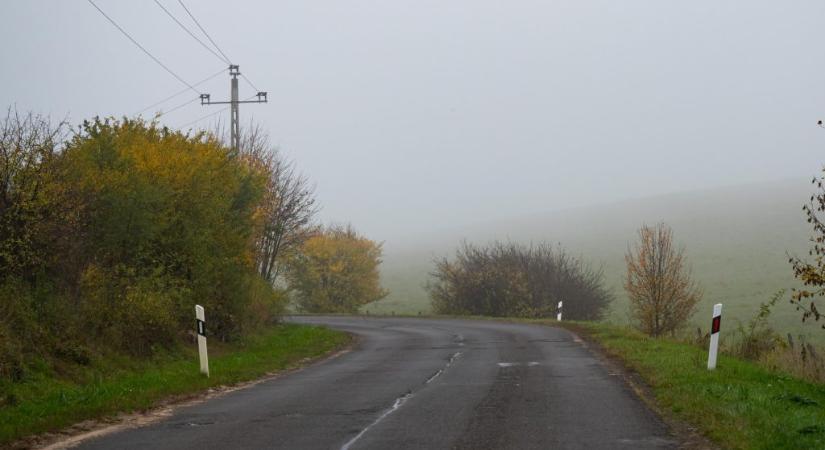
column 54, row 398
column 739, row 405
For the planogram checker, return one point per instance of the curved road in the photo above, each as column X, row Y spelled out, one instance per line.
column 424, row 384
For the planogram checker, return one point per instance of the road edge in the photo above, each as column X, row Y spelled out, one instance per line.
column 690, row 436
column 80, row 432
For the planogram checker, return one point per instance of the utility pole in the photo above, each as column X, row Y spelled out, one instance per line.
column 234, row 123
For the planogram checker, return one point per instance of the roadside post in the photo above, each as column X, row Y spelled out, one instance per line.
column 200, row 321
column 714, row 335
column 558, row 314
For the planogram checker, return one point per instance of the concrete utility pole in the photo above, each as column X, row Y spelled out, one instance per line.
column 234, row 123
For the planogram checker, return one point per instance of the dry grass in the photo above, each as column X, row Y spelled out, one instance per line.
column 798, row 358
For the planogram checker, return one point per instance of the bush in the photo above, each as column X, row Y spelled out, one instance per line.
column 109, row 239
column 336, row 271
column 18, row 328
column 168, row 221
column 266, row 305
column 757, row 338
column 519, row 281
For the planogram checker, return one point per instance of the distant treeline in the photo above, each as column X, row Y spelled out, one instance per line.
column 507, row 279
column 111, row 232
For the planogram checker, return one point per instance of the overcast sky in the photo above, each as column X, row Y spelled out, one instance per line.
column 418, row 115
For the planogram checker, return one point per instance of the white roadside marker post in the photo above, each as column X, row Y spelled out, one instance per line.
column 714, row 335
column 200, row 321
column 558, row 314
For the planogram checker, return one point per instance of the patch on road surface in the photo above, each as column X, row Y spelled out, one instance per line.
column 511, row 364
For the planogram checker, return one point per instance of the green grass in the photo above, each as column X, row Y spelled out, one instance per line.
column 51, row 399
column 739, row 405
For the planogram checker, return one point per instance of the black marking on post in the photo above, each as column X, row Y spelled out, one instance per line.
column 716, row 325
column 201, row 327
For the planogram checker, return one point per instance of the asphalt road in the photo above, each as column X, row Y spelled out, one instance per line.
column 425, row 384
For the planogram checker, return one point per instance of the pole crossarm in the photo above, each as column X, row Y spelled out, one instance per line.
column 229, row 102
column 234, row 127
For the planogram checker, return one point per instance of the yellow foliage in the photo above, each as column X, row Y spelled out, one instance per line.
column 336, row 271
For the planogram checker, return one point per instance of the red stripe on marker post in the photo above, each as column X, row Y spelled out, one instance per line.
column 715, row 326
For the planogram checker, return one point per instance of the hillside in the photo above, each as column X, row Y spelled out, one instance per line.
column 737, row 239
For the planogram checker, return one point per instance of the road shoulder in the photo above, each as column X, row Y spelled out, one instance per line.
column 80, row 432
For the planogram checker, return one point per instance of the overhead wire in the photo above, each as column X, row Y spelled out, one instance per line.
column 176, row 94
column 143, row 48
column 163, row 113
column 202, row 118
column 221, row 58
column 188, row 85
column 250, row 83
column 192, row 16
column 204, row 31
column 211, row 114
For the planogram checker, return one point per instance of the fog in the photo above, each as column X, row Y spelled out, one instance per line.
column 414, row 116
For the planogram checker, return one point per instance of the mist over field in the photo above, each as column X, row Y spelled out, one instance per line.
column 378, row 206
column 736, row 238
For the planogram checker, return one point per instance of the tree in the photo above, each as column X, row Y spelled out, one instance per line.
column 336, row 271
column 29, row 144
column 812, row 274
column 125, row 222
column 165, row 220
column 506, row 279
column 288, row 206
column 662, row 294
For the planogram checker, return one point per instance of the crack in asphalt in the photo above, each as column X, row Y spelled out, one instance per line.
column 399, row 402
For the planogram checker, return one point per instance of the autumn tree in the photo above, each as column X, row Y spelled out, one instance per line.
column 166, row 220
column 507, row 279
column 662, row 294
column 812, row 274
column 336, row 271
column 29, row 145
column 129, row 222
column 287, row 209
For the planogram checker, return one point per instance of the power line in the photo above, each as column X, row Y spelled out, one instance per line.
column 204, row 117
column 249, row 83
column 212, row 114
column 163, row 113
column 192, row 16
column 179, row 92
column 234, row 103
column 204, row 31
column 224, row 60
column 142, row 48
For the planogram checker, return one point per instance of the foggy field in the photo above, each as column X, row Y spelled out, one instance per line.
column 432, row 186
column 736, row 239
